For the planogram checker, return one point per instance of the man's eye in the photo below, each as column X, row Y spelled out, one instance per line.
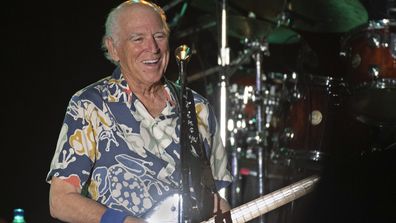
column 161, row 36
column 138, row 39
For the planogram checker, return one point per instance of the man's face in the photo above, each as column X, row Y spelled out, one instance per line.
column 142, row 45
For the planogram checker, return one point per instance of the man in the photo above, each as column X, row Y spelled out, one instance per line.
column 120, row 136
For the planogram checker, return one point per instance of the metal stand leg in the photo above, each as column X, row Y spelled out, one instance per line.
column 261, row 133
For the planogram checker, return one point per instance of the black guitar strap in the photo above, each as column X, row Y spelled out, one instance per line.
column 202, row 180
column 197, row 143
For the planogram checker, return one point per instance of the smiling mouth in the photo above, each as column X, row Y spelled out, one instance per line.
column 154, row 61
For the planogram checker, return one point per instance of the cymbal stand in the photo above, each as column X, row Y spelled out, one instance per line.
column 260, row 134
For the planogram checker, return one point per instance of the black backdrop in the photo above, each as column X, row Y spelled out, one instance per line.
column 50, row 50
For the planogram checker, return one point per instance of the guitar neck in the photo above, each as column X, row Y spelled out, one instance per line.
column 271, row 201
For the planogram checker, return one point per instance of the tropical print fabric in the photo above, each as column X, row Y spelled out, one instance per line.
column 134, row 158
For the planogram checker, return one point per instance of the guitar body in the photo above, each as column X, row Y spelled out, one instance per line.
column 166, row 211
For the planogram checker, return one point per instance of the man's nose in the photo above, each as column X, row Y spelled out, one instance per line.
column 152, row 45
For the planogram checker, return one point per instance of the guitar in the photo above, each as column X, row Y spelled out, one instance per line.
column 167, row 211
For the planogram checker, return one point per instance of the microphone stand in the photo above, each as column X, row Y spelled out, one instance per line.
column 183, row 54
column 224, row 61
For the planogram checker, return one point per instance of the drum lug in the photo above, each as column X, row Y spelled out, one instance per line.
column 374, row 71
column 287, row 135
column 392, row 47
column 375, row 41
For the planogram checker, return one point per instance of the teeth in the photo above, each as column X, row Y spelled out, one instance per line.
column 150, row 61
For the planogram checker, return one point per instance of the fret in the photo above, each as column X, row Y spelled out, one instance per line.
column 277, row 200
column 272, row 200
column 262, row 204
column 253, row 210
column 244, row 213
column 296, row 190
column 267, row 202
column 288, row 194
column 236, row 214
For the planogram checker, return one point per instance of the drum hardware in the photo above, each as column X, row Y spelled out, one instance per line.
column 281, row 95
column 253, row 138
column 193, row 30
column 375, row 41
column 295, row 93
column 392, row 41
column 261, row 184
column 374, row 71
column 302, row 133
column 234, row 65
column 370, row 74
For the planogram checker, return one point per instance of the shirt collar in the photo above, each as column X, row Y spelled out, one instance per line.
column 119, row 91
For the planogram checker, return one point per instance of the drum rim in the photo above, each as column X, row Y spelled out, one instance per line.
column 324, row 80
column 371, row 25
column 301, row 154
column 380, row 83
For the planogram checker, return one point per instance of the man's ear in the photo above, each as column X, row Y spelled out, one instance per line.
column 110, row 45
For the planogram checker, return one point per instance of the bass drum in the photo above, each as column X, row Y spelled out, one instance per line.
column 312, row 123
column 370, row 54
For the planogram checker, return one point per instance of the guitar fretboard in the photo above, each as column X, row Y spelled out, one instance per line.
column 271, row 201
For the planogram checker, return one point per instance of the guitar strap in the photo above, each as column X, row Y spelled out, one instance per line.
column 199, row 165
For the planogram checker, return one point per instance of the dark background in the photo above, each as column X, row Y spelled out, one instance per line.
column 50, row 50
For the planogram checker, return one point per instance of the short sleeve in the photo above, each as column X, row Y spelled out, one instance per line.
column 76, row 146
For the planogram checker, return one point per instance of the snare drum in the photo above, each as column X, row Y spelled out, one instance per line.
column 370, row 54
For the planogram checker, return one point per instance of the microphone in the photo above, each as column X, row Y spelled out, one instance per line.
column 183, row 53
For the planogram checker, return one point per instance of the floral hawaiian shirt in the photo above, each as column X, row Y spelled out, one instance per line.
column 133, row 159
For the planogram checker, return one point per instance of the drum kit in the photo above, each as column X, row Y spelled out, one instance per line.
column 337, row 96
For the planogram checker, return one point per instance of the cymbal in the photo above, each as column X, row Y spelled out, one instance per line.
column 327, row 15
column 265, row 9
column 283, row 35
column 244, row 27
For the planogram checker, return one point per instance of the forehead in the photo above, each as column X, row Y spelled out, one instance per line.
column 139, row 15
